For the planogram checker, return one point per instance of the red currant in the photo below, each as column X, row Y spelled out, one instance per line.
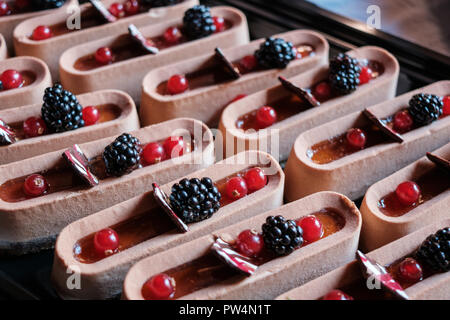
column 106, row 241
column 153, row 153
column 172, row 35
column 322, row 91
column 356, row 138
column 159, row 287
column 446, row 107
column 177, row 84
column 11, row 79
column 238, row 97
column 117, row 10
column 174, row 147
column 131, row 7
column 236, row 188
column 255, row 179
column 265, row 117
column 103, row 55
column 4, row 9
column 410, row 270
column 312, row 228
column 337, row 295
column 41, row 33
column 90, row 115
column 365, row 75
column 35, row 185
column 248, row 63
column 219, row 22
column 408, row 192
column 33, row 127
column 402, row 121
column 250, row 243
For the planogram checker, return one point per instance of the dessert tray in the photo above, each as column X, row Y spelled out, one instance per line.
column 93, row 26
column 16, row 16
column 322, row 156
column 211, row 89
column 80, row 73
column 294, row 114
column 79, row 181
column 212, row 278
column 117, row 114
column 24, row 80
column 144, row 229
column 423, row 282
column 387, row 216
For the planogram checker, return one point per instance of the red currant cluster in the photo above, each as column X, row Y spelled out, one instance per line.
column 155, row 152
column 238, row 187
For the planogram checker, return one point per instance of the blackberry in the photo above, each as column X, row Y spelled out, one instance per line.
column 47, row 4
column 435, row 251
column 198, row 22
column 275, row 53
column 195, row 200
column 160, row 3
column 61, row 110
column 344, row 74
column 425, row 108
column 122, row 156
column 282, row 236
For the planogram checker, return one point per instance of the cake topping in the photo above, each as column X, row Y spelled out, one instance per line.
column 177, row 84
column 236, row 188
column 131, row 7
column 228, row 65
column 312, row 228
column 219, row 22
column 117, row 10
column 153, row 153
column 446, row 106
column 122, row 156
column 172, row 35
column 98, row 5
column 250, row 243
column 34, row 127
column 103, row 55
column 255, row 179
column 106, row 242
column 265, row 117
column 41, row 33
column 174, row 147
column 403, row 122
column 7, row 135
column 435, row 251
column 344, row 73
column 35, row 185
column 61, row 110
column 337, row 295
column 195, row 200
column 322, row 91
column 91, row 115
column 387, row 131
column 147, row 44
column 11, row 79
column 439, row 161
column 365, row 76
column 79, row 163
column 372, row 269
column 226, row 252
column 303, row 94
column 282, row 236
column 248, row 63
column 159, row 287
column 275, row 53
column 408, row 192
column 198, row 22
column 425, row 108
column 5, row 10
column 356, row 138
column 410, row 270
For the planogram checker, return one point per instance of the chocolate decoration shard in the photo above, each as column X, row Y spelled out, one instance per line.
column 145, row 43
column 234, row 72
column 378, row 274
column 80, row 164
column 388, row 132
column 7, row 135
column 235, row 260
column 439, row 162
column 303, row 94
column 163, row 201
column 98, row 5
